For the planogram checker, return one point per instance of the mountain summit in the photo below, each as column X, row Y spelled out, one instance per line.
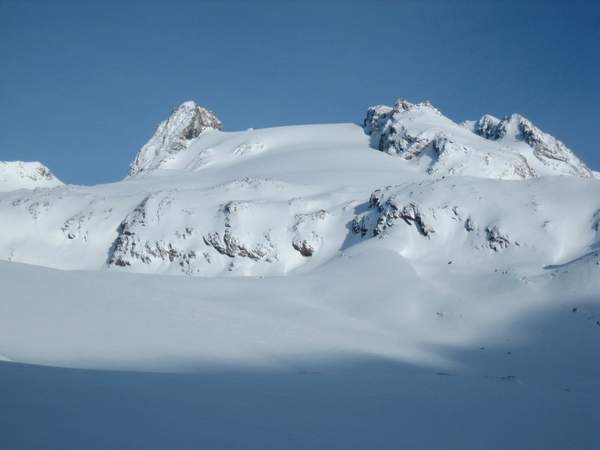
column 418, row 133
column 511, row 148
column 172, row 136
column 515, row 129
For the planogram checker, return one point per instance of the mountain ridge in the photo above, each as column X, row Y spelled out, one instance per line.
column 201, row 201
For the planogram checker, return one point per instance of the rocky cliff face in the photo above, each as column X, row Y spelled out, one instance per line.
column 172, row 136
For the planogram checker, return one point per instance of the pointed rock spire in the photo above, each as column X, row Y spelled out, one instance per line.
column 172, row 136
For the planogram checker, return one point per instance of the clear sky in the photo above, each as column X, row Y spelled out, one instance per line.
column 84, row 84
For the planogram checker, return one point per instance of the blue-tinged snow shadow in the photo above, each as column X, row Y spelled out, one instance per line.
column 499, row 399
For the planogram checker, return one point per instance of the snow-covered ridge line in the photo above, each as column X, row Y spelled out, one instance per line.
column 200, row 201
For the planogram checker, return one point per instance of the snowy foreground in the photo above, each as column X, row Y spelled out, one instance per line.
column 413, row 283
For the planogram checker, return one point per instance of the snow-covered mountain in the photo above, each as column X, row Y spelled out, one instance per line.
column 511, row 148
column 201, row 201
column 173, row 135
column 25, row 175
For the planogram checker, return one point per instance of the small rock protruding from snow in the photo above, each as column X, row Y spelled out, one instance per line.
column 304, row 247
column 26, row 175
column 173, row 135
column 496, row 239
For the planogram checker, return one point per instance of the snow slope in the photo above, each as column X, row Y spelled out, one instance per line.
column 351, row 286
column 364, row 352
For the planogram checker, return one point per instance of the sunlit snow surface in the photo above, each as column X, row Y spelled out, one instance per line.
column 359, row 300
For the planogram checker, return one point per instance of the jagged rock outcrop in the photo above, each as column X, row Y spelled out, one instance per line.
column 271, row 201
column 496, row 239
column 494, row 148
column 173, row 135
column 389, row 210
column 439, row 224
column 228, row 244
column 392, row 211
column 547, row 149
column 489, row 127
column 304, row 247
column 389, row 133
column 134, row 247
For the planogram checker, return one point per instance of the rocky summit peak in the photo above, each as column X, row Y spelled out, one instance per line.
column 381, row 116
column 511, row 148
column 404, row 105
column 487, row 126
column 172, row 136
column 551, row 152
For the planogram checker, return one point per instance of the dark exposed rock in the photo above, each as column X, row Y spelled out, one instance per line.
column 229, row 245
column 389, row 135
column 469, row 224
column 303, row 247
column 385, row 211
column 391, row 212
column 496, row 240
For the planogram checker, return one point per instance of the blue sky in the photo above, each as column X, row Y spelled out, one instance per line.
column 84, row 84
